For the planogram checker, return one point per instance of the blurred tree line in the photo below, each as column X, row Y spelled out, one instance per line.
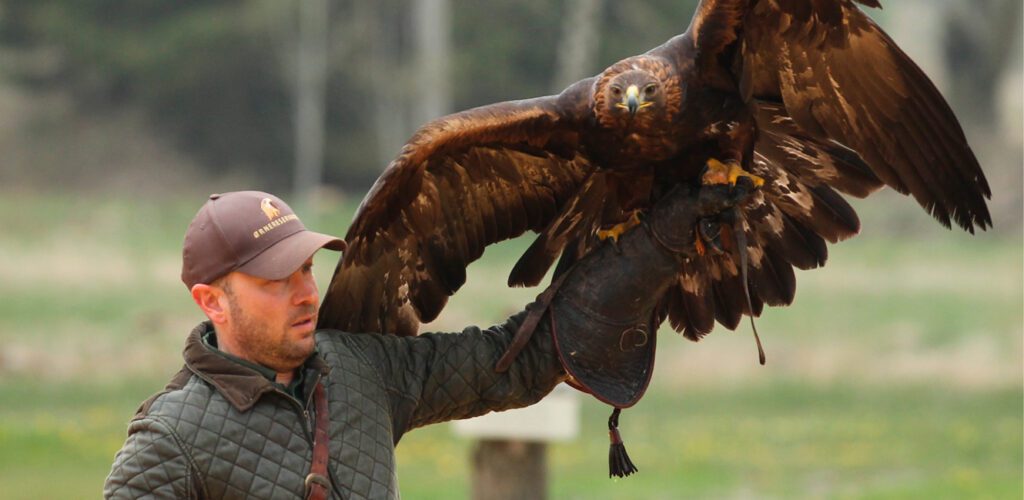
column 223, row 77
column 219, row 74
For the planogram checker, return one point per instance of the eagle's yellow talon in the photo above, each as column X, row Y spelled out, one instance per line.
column 735, row 172
column 613, row 233
column 727, row 173
column 716, row 173
column 617, row 230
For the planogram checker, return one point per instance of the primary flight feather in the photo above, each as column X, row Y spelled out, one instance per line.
column 806, row 99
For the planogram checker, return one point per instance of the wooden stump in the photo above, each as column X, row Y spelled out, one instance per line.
column 509, row 470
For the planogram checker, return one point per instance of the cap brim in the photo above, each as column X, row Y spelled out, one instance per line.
column 286, row 256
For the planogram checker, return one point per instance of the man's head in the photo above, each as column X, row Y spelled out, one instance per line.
column 247, row 259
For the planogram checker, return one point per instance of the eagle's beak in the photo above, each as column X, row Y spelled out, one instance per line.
column 632, row 99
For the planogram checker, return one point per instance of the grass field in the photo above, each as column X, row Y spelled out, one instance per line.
column 897, row 373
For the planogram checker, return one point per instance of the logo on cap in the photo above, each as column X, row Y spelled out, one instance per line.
column 269, row 209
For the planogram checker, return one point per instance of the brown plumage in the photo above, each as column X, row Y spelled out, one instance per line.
column 810, row 95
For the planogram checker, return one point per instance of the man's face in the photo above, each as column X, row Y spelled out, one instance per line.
column 271, row 322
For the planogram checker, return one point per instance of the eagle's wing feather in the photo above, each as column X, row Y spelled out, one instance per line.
column 842, row 78
column 788, row 223
column 840, row 109
column 461, row 183
column 579, row 218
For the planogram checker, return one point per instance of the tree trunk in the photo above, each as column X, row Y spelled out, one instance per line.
column 310, row 87
column 979, row 38
column 577, row 51
column 432, row 27
column 982, row 49
column 390, row 119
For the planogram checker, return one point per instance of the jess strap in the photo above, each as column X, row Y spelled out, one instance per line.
column 318, row 486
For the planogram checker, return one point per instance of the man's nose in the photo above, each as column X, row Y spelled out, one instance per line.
column 305, row 290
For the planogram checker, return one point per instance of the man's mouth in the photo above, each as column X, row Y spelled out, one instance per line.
column 304, row 321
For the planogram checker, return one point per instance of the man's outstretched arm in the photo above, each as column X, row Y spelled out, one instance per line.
column 438, row 377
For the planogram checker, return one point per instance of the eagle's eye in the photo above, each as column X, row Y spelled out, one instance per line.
column 650, row 90
column 616, row 91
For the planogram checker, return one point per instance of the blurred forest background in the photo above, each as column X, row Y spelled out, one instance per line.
column 236, row 88
column 897, row 373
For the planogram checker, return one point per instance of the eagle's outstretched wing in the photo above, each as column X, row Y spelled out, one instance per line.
column 841, row 78
column 461, row 183
column 839, row 108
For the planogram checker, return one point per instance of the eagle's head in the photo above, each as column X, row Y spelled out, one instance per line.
column 637, row 93
column 633, row 91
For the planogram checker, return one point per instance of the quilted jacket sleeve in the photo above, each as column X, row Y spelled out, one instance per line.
column 436, row 377
column 151, row 464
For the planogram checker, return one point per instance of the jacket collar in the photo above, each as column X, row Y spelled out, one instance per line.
column 240, row 385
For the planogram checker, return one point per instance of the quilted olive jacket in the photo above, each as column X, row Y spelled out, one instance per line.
column 221, row 430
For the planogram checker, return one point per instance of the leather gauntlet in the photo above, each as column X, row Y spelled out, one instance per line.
column 603, row 312
column 603, row 315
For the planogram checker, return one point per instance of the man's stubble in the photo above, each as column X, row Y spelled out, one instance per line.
column 261, row 345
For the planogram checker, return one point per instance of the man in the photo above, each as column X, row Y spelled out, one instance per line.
column 267, row 407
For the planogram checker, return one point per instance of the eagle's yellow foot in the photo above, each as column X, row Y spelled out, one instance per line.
column 617, row 230
column 727, row 173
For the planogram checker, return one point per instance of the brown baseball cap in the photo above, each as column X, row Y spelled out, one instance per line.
column 248, row 231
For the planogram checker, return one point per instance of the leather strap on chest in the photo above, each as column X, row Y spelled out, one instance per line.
column 318, row 486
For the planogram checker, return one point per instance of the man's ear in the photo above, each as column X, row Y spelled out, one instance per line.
column 212, row 300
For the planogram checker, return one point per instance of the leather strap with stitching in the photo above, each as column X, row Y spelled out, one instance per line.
column 318, row 486
column 525, row 331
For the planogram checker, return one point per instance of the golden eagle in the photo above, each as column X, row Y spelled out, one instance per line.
column 809, row 96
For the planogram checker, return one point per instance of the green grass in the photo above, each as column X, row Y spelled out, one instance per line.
column 57, row 440
column 777, row 440
column 781, row 439
column 896, row 374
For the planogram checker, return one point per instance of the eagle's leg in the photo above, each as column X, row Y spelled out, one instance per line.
column 729, row 172
column 614, row 232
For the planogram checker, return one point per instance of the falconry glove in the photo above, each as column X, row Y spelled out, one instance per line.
column 603, row 311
